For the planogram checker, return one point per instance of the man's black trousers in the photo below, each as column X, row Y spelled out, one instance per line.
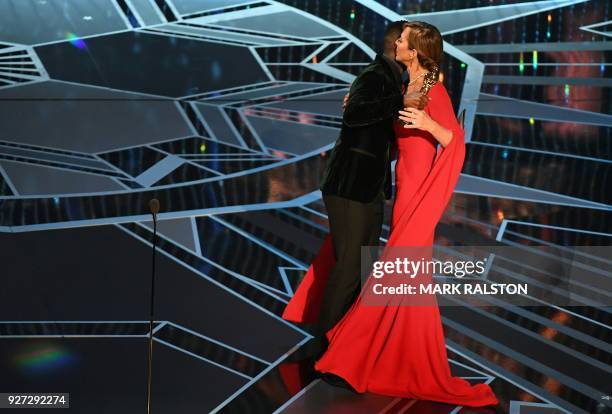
column 352, row 224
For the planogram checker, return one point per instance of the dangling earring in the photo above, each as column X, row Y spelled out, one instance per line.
column 412, row 59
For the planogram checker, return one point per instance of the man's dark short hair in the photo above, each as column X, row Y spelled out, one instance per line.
column 392, row 32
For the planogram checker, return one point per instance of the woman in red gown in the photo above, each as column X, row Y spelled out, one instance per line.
column 399, row 349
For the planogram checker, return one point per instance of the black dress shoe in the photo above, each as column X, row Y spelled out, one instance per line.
column 311, row 350
column 336, row 381
column 317, row 346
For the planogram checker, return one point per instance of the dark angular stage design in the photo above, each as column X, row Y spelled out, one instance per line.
column 225, row 110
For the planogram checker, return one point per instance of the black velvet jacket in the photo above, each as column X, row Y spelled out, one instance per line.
column 359, row 167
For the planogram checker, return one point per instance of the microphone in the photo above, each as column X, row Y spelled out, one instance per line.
column 154, row 207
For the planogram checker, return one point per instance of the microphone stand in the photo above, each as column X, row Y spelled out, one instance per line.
column 154, row 207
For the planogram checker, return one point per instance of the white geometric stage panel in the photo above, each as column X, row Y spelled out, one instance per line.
column 32, row 179
column 469, row 184
column 325, row 103
column 284, row 22
column 178, row 230
column 602, row 28
column 292, row 137
column 147, row 10
column 515, row 108
column 452, row 21
column 84, row 118
column 194, row 6
column 40, row 21
column 222, row 34
column 19, row 65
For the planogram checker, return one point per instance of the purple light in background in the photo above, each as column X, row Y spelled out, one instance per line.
column 76, row 41
column 43, row 357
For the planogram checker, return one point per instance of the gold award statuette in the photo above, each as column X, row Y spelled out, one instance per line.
column 431, row 78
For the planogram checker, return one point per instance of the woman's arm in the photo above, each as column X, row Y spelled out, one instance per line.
column 441, row 134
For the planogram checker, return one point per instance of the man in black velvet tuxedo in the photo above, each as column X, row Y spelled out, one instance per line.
column 358, row 176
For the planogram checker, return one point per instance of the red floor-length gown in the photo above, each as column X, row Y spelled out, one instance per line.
column 399, row 350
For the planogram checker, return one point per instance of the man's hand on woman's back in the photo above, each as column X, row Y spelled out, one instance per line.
column 415, row 100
